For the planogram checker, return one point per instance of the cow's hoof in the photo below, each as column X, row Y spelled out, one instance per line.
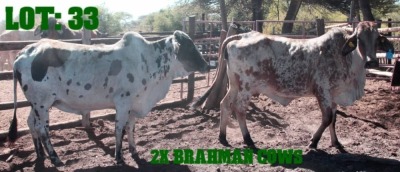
column 120, row 162
column 137, row 159
column 223, row 141
column 313, row 145
column 249, row 142
column 57, row 162
column 337, row 145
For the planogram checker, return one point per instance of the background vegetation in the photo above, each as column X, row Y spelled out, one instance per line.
column 171, row 18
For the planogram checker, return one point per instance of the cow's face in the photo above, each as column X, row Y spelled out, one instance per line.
column 51, row 32
column 368, row 40
column 188, row 54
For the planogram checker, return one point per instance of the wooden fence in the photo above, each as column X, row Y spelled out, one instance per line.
column 206, row 40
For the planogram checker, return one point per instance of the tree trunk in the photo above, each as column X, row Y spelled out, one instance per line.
column 256, row 8
column 223, row 15
column 366, row 10
column 291, row 14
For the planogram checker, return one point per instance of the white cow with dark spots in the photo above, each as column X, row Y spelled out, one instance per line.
column 330, row 68
column 131, row 76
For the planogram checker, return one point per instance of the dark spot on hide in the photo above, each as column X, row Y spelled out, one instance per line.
column 158, row 61
column 249, row 71
column 25, row 88
column 166, row 70
column 145, row 63
column 49, row 57
column 81, row 96
column 166, row 59
column 59, row 78
column 145, row 88
column 78, row 84
column 37, row 114
column 122, row 95
column 144, row 81
column 159, row 45
column 69, row 82
column 130, row 77
column 239, row 82
column 111, row 90
column 105, row 82
column 115, row 68
column 127, row 93
column 42, row 106
column 104, row 53
column 67, row 91
column 88, row 86
column 247, row 86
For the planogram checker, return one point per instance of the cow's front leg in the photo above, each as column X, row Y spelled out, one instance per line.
column 121, row 120
column 325, row 105
column 240, row 111
column 334, row 140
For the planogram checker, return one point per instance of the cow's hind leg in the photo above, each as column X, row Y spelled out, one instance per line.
column 35, row 137
column 226, row 110
column 327, row 115
column 41, row 125
column 130, row 128
column 121, row 120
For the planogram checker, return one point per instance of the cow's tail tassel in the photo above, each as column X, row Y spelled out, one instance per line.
column 201, row 100
column 13, row 130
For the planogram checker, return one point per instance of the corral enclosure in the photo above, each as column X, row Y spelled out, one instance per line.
column 369, row 130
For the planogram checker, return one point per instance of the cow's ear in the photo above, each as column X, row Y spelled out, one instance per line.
column 175, row 45
column 63, row 27
column 38, row 30
column 350, row 45
column 384, row 44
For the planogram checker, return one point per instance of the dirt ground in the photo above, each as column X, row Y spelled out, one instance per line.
column 369, row 131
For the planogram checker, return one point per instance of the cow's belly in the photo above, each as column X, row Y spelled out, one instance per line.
column 282, row 94
column 87, row 103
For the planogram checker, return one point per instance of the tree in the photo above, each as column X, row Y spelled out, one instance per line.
column 291, row 14
column 256, row 8
column 223, row 14
column 366, row 10
column 114, row 23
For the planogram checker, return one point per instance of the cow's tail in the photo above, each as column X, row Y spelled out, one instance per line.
column 13, row 130
column 221, row 67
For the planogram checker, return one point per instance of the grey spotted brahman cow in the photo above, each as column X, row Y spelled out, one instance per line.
column 131, row 76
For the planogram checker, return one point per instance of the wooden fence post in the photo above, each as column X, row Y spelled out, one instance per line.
column 320, row 26
column 192, row 28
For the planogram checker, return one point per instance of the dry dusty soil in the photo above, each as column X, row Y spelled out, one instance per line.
column 369, row 131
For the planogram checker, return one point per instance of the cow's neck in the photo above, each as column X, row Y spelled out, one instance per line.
column 163, row 63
